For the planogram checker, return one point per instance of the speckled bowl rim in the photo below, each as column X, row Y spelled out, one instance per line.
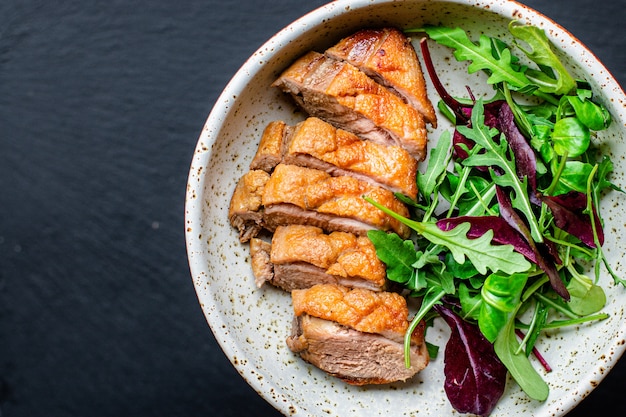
column 195, row 194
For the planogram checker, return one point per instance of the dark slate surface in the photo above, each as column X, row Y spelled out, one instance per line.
column 101, row 103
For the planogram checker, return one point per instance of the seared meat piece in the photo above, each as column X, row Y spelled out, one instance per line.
column 302, row 256
column 357, row 358
column 321, row 194
column 262, row 267
column 314, row 143
column 284, row 214
column 366, row 98
column 343, row 153
column 355, row 334
column 246, row 212
column 297, row 195
column 388, row 56
column 384, row 313
column 270, row 150
column 337, row 92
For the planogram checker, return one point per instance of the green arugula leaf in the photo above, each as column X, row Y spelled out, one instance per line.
column 479, row 251
column 500, row 68
column 539, row 318
column 470, row 303
column 497, row 155
column 541, row 53
column 462, row 271
column 438, row 161
column 399, row 255
column 605, row 168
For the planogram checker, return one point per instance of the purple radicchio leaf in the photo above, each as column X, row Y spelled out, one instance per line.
column 455, row 105
column 462, row 112
column 542, row 259
column 548, row 248
column 568, row 211
column 491, row 111
column 475, row 376
column 525, row 159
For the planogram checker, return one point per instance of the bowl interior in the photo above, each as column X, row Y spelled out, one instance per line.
column 252, row 324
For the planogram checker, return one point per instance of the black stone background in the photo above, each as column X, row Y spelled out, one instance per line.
column 101, row 104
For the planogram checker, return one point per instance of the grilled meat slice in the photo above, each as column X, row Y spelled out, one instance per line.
column 314, row 143
column 357, row 358
column 270, row 150
column 384, row 313
column 319, row 193
column 387, row 56
column 262, row 267
column 283, row 214
column 246, row 211
column 355, row 334
column 302, row 256
column 337, row 92
column 297, row 195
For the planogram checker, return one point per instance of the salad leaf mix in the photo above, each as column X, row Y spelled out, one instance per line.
column 509, row 233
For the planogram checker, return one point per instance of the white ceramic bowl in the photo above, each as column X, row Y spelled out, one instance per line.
column 252, row 324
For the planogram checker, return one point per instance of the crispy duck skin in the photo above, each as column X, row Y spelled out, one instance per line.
column 270, row 150
column 384, row 313
column 245, row 211
column 341, row 94
column 317, row 191
column 297, row 195
column 314, row 143
column 364, row 137
column 250, row 218
column 355, row 334
column 388, row 56
column 301, row 256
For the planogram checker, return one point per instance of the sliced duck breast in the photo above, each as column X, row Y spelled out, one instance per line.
column 305, row 196
column 388, row 56
column 284, row 214
column 341, row 94
column 322, row 194
column 355, row 334
column 301, row 256
column 245, row 211
column 314, row 143
column 270, row 150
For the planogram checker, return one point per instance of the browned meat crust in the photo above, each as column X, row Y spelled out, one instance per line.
column 340, row 94
column 302, row 256
column 297, row 195
column 363, row 310
column 314, row 143
column 388, row 56
column 315, row 190
column 246, row 211
column 270, row 150
column 355, row 334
